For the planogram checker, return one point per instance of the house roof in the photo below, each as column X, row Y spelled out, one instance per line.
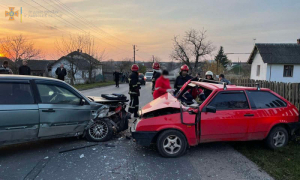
column 277, row 53
column 36, row 65
column 81, row 63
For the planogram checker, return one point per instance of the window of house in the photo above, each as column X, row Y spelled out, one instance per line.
column 230, row 101
column 258, row 70
column 288, row 70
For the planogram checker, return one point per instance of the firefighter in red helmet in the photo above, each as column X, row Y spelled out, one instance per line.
column 156, row 74
column 134, row 90
column 182, row 78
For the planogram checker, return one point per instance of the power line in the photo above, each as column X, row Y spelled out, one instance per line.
column 82, row 18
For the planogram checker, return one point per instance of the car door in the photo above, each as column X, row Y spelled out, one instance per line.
column 267, row 109
column 19, row 116
column 230, row 121
column 60, row 108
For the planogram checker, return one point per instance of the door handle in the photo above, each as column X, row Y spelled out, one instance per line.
column 48, row 110
column 249, row 115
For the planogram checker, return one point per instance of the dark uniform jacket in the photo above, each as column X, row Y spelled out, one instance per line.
column 61, row 73
column 134, row 84
column 155, row 76
column 116, row 76
column 24, row 70
column 180, row 80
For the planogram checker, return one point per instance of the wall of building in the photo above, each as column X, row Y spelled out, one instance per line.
column 275, row 73
column 263, row 68
column 80, row 77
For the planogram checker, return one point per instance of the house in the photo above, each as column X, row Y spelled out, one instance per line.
column 276, row 62
column 37, row 67
column 81, row 64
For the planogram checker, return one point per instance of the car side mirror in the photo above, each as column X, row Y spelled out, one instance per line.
column 82, row 101
column 211, row 109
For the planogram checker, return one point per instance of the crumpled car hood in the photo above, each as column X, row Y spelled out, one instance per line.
column 164, row 101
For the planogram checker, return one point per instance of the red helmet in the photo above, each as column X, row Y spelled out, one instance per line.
column 184, row 68
column 156, row 66
column 134, row 67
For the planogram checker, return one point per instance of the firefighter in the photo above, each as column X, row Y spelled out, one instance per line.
column 182, row 78
column 209, row 75
column 156, row 74
column 134, row 90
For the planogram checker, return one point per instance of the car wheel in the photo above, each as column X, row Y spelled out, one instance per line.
column 277, row 138
column 171, row 143
column 100, row 131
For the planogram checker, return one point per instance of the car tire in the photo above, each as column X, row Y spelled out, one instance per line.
column 100, row 131
column 171, row 143
column 277, row 138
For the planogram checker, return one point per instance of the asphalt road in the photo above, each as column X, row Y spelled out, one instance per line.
column 120, row 158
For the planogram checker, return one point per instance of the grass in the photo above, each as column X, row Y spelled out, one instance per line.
column 93, row 85
column 280, row 164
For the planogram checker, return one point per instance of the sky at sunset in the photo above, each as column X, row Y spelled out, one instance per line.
column 152, row 24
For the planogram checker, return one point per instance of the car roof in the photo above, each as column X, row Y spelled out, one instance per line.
column 213, row 86
column 24, row 77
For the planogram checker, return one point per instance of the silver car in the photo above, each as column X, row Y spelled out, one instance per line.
column 33, row 108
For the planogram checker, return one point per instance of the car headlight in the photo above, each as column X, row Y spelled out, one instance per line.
column 101, row 112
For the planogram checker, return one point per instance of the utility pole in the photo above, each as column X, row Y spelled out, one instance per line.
column 239, row 66
column 153, row 58
column 133, row 54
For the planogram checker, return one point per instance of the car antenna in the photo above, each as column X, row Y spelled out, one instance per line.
column 257, row 86
column 224, row 86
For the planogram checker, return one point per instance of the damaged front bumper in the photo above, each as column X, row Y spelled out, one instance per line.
column 144, row 138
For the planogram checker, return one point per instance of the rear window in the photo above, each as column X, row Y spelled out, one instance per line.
column 149, row 74
column 15, row 93
column 264, row 99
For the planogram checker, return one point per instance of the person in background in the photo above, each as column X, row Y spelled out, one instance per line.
column 117, row 77
column 134, row 90
column 156, row 74
column 162, row 85
column 123, row 77
column 209, row 75
column 61, row 72
column 182, row 78
column 4, row 69
column 24, row 69
column 222, row 79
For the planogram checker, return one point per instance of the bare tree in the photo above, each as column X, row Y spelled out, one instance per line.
column 125, row 64
column 80, row 45
column 192, row 48
column 18, row 47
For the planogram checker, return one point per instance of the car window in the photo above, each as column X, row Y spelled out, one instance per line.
column 15, row 93
column 230, row 101
column 264, row 99
column 52, row 94
column 149, row 74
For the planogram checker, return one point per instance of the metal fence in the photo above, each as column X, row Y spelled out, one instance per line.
column 290, row 91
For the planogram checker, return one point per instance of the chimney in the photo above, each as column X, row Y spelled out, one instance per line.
column 298, row 41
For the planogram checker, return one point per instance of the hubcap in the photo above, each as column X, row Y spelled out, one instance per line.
column 279, row 139
column 172, row 144
column 98, row 130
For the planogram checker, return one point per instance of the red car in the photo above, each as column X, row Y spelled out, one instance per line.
column 223, row 113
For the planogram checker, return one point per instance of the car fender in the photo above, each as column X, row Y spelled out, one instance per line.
column 190, row 136
column 276, row 123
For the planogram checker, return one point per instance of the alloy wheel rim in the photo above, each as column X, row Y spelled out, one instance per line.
column 98, row 130
column 279, row 139
column 172, row 144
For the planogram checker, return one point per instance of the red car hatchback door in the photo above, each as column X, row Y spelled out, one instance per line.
column 231, row 119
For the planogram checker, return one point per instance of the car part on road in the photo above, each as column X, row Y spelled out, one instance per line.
column 171, row 143
column 277, row 138
column 109, row 119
